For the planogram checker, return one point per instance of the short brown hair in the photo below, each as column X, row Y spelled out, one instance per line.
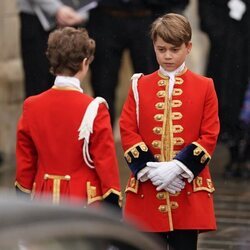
column 172, row 28
column 67, row 48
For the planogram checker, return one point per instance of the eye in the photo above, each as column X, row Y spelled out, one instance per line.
column 175, row 49
column 162, row 50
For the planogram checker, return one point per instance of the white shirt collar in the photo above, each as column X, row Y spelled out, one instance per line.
column 175, row 72
column 171, row 75
column 68, row 81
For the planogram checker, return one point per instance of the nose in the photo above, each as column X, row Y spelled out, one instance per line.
column 168, row 54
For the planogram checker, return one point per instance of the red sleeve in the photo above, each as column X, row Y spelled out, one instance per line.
column 26, row 156
column 103, row 154
column 136, row 153
column 128, row 123
column 210, row 125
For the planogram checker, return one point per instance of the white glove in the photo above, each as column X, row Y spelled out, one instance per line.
column 142, row 175
column 175, row 186
column 237, row 9
column 163, row 173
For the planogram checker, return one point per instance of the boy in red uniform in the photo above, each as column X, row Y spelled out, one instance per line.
column 65, row 148
column 169, row 128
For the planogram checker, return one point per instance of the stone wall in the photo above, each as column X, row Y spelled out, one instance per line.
column 11, row 84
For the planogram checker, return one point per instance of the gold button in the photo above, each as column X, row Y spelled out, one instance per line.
column 157, row 157
column 159, row 105
column 163, row 208
column 156, row 144
column 160, row 196
column 188, row 193
column 158, row 117
column 142, row 195
column 157, row 130
column 161, row 93
column 162, row 83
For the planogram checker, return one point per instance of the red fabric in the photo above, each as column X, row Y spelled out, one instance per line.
column 47, row 142
column 199, row 111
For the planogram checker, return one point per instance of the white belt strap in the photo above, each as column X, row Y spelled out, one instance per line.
column 86, row 127
column 134, row 79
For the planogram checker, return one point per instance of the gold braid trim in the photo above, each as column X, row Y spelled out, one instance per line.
column 203, row 149
column 25, row 190
column 114, row 192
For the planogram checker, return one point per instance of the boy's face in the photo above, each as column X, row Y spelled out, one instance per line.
column 169, row 56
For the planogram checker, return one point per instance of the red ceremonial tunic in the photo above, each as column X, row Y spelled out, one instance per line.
column 50, row 156
column 165, row 127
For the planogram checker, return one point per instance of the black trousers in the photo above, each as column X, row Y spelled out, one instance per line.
column 178, row 239
column 33, row 47
column 114, row 34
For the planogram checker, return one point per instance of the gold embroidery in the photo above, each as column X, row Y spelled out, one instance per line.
column 132, row 182
column 56, row 185
column 176, row 103
column 135, row 153
column 209, row 183
column 203, row 149
column 178, row 80
column 177, row 128
column 91, row 193
column 204, row 158
column 178, row 141
column 177, row 92
column 199, row 181
column 197, row 151
column 132, row 185
column 25, row 190
column 174, row 204
column 128, row 158
column 199, row 185
column 143, row 147
column 176, row 115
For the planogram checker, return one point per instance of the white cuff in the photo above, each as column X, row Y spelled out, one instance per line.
column 187, row 173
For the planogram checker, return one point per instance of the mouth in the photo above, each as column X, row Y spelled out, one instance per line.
column 169, row 64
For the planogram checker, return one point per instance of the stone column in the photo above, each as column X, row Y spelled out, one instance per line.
column 11, row 77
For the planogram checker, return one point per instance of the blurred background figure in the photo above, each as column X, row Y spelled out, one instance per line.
column 34, row 38
column 117, row 25
column 226, row 23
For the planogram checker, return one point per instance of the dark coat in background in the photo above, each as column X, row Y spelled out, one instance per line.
column 228, row 65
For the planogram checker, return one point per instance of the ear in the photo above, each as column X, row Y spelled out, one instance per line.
column 85, row 61
column 84, row 64
column 189, row 47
